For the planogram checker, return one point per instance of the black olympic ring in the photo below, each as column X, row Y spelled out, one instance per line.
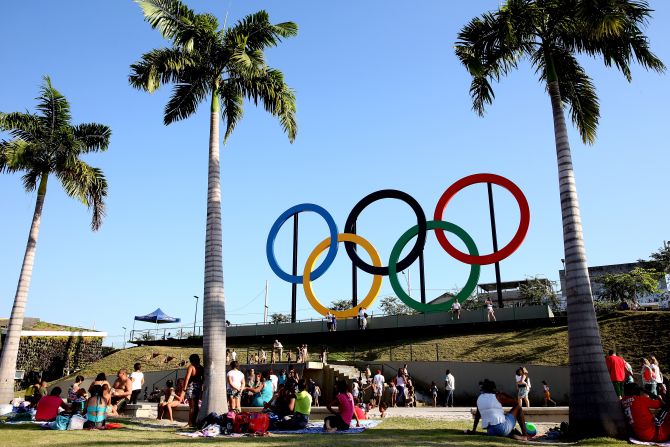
column 416, row 251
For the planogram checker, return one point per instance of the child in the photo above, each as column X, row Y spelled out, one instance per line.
column 547, row 394
column 411, row 399
column 382, row 409
column 433, row 392
column 79, row 401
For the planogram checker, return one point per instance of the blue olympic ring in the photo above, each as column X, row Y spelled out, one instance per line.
column 286, row 215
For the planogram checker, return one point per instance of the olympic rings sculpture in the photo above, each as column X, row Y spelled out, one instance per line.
column 350, row 239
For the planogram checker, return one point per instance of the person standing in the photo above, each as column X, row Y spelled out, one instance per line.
column 235, row 384
column 400, row 382
column 656, row 369
column 195, row 376
column 617, row 369
column 329, row 321
column 137, row 376
column 378, row 386
column 648, row 378
column 334, row 323
column 233, row 355
column 456, row 310
column 279, row 348
column 449, row 387
column 360, row 318
column 490, row 313
column 433, row 392
column 263, row 356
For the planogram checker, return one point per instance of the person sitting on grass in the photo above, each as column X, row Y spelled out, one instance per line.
column 32, row 393
column 96, row 408
column 345, row 404
column 301, row 406
column 79, row 402
column 490, row 410
column 47, row 407
column 645, row 425
column 263, row 391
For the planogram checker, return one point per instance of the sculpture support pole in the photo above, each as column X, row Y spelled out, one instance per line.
column 354, row 280
column 422, row 279
column 494, row 235
column 294, row 286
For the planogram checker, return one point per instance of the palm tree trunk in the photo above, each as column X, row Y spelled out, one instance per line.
column 214, row 311
column 595, row 409
column 10, row 348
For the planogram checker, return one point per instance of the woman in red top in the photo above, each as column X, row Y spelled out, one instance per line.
column 47, row 407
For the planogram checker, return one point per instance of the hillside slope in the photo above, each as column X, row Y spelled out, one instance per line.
column 639, row 333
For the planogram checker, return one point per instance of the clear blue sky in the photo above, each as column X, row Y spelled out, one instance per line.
column 382, row 103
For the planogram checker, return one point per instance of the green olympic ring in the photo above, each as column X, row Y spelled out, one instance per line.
column 395, row 255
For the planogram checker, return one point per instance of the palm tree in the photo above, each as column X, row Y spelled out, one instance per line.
column 44, row 144
column 551, row 33
column 224, row 66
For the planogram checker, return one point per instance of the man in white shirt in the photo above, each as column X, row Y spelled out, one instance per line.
column 279, row 348
column 275, row 381
column 494, row 420
column 235, row 383
column 378, row 386
column 233, row 355
column 449, row 387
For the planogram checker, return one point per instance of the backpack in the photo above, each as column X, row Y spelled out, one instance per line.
column 61, row 422
column 258, row 422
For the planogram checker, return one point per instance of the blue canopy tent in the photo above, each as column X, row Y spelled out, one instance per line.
column 157, row 316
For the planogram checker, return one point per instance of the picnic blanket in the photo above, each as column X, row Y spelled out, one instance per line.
column 313, row 428
column 662, row 444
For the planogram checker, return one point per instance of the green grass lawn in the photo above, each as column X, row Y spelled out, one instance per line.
column 391, row 432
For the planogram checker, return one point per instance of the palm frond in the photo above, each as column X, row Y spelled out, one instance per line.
column 173, row 19
column 24, row 126
column 54, row 107
column 160, row 66
column 277, row 98
column 490, row 46
column 185, row 100
column 93, row 137
column 16, row 155
column 86, row 184
column 258, row 32
column 577, row 91
column 232, row 102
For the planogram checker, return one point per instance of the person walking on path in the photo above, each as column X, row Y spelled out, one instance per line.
column 660, row 387
column 617, row 369
column 490, row 313
column 449, row 387
column 523, row 386
column 456, row 310
column 547, row 394
column 648, row 378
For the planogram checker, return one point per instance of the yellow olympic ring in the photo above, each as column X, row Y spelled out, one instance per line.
column 309, row 265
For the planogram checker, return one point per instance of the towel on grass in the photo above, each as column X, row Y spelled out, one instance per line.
column 314, row 428
column 662, row 444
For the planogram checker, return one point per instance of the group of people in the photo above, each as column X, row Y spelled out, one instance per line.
column 276, row 355
column 621, row 372
column 95, row 403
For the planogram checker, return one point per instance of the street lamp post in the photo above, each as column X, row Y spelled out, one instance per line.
column 409, row 291
column 195, row 317
column 124, row 336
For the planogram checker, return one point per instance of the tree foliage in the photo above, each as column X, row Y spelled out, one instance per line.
column 629, row 286
column 391, row 305
column 341, row 304
column 277, row 318
column 660, row 259
column 538, row 290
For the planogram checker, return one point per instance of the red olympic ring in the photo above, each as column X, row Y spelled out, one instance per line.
column 507, row 249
